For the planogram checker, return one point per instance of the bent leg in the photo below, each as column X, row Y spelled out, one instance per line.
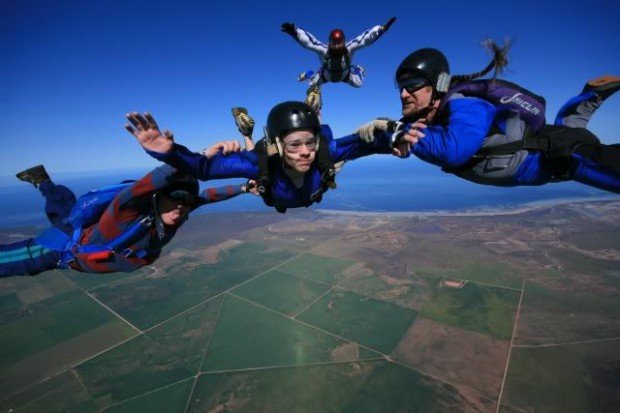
column 577, row 112
column 58, row 203
column 27, row 258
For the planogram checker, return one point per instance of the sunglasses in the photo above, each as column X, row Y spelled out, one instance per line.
column 412, row 85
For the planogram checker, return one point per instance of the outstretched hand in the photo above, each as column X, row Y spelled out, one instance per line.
column 289, row 28
column 225, row 147
column 146, row 131
column 389, row 23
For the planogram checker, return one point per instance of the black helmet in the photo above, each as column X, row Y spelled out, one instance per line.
column 424, row 64
column 290, row 116
column 185, row 190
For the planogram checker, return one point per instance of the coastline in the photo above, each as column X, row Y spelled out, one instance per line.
column 478, row 212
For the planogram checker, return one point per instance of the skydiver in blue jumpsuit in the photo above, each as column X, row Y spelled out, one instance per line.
column 296, row 178
column 485, row 142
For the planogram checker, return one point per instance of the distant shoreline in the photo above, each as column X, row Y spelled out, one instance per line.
column 491, row 211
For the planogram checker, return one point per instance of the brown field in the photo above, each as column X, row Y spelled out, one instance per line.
column 453, row 354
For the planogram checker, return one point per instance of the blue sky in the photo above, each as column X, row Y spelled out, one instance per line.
column 72, row 69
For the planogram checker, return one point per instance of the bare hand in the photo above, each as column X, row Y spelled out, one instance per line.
column 225, row 147
column 146, row 131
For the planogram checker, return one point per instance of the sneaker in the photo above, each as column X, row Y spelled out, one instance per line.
column 604, row 86
column 244, row 122
column 314, row 99
column 35, row 175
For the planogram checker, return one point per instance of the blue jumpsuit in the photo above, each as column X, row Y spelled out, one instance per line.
column 464, row 127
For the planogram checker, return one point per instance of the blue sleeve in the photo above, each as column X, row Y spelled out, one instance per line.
column 241, row 164
column 352, row 147
column 454, row 144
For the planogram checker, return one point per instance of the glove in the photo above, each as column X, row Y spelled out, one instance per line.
column 244, row 122
column 289, row 28
column 387, row 25
column 367, row 130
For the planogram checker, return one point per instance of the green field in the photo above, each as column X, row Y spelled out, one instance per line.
column 138, row 366
column 248, row 336
column 569, row 314
column 282, row 292
column 149, row 301
column 316, row 267
column 487, row 310
column 49, row 323
column 349, row 387
column 186, row 337
column 89, row 281
column 411, row 292
column 327, row 388
column 11, row 308
column 19, row 296
column 166, row 400
column 377, row 324
column 572, row 378
column 393, row 388
column 495, row 273
column 61, row 393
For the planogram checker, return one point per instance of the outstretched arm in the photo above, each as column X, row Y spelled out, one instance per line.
column 305, row 39
column 221, row 193
column 369, row 36
column 214, row 163
column 222, row 160
column 353, row 146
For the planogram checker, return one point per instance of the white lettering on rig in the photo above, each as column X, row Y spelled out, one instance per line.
column 516, row 100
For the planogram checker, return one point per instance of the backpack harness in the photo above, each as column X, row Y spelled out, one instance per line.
column 87, row 210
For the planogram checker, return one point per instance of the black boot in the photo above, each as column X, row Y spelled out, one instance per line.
column 35, row 175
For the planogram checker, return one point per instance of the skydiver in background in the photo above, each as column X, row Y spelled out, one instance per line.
column 336, row 57
column 494, row 132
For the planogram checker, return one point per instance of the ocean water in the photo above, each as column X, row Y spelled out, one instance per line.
column 367, row 185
